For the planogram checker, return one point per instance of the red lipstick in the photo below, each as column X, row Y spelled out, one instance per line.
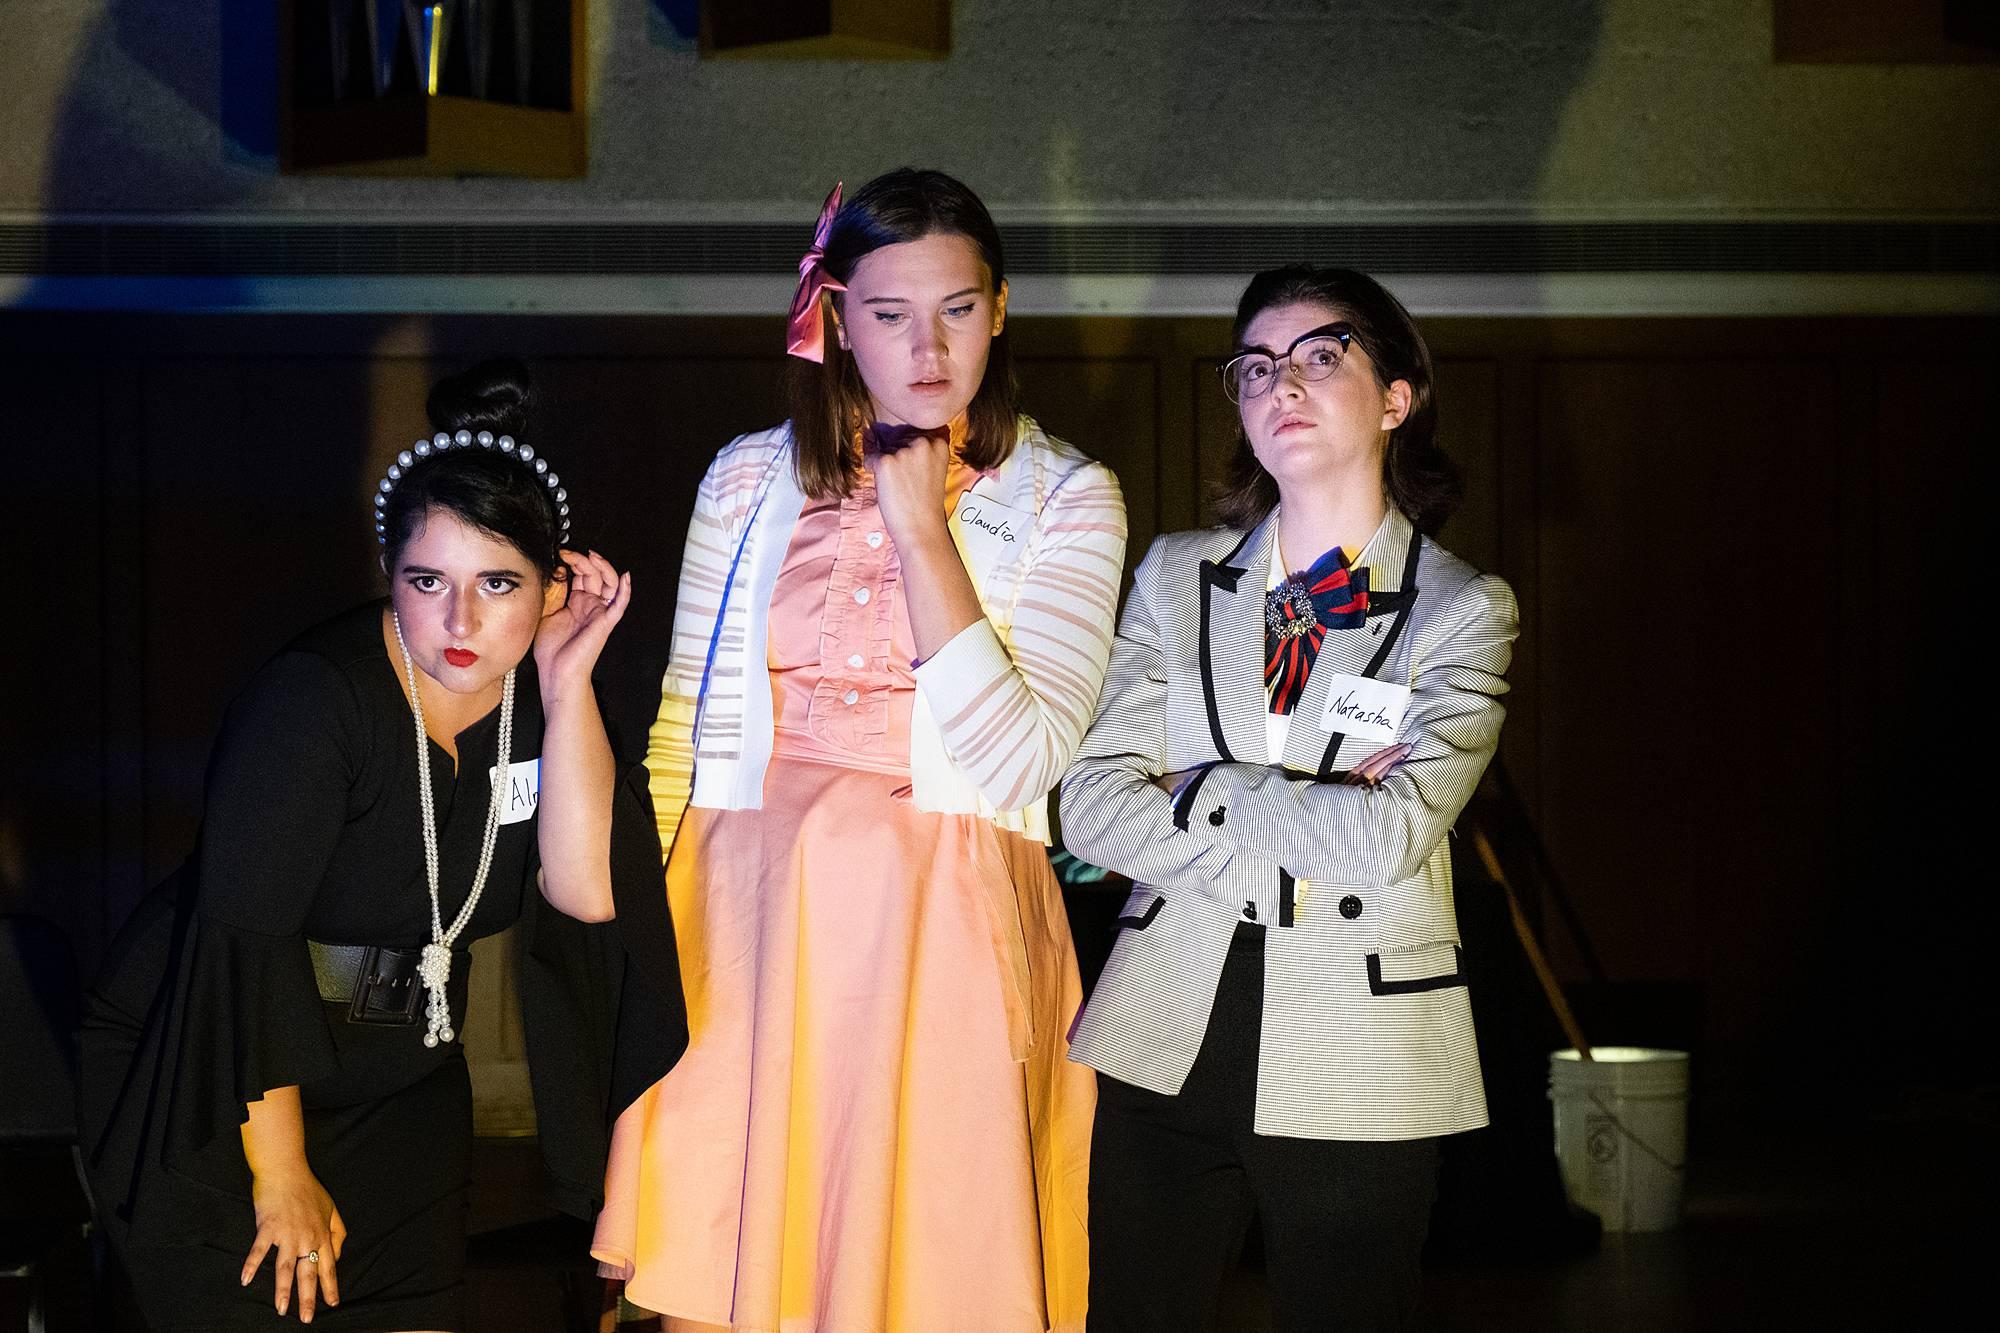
column 460, row 657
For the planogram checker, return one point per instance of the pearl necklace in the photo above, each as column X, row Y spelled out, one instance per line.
column 434, row 967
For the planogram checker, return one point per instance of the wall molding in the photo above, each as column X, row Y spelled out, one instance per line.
column 1644, row 295
column 1472, row 267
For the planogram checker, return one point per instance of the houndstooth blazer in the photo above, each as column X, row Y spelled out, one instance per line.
column 1367, row 1033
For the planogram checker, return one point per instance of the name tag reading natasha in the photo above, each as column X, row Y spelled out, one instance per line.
column 992, row 531
column 1370, row 709
column 524, row 790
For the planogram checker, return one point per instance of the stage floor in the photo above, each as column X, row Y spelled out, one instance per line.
column 1880, row 1221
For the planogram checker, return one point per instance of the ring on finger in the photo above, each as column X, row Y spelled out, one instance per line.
column 310, row 1257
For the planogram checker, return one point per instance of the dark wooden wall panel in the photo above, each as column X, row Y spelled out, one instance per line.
column 55, row 838
column 255, row 527
column 1744, row 704
column 1109, row 409
column 631, row 436
column 1168, row 360
column 1688, row 663
column 1917, row 822
column 1218, row 433
column 1468, row 397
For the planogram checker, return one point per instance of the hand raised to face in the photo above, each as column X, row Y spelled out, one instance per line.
column 910, row 487
column 573, row 633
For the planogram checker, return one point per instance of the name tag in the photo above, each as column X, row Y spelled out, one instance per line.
column 524, row 790
column 1370, row 709
column 991, row 530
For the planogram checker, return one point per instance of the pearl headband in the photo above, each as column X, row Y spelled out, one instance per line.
column 465, row 439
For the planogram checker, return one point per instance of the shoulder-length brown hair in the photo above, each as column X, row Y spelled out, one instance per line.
column 1417, row 476
column 827, row 400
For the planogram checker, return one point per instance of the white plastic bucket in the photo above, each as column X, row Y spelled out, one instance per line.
column 1621, row 1133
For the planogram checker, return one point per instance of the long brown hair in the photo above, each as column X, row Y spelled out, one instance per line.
column 1417, row 475
column 828, row 402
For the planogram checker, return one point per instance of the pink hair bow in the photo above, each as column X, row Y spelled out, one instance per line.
column 805, row 334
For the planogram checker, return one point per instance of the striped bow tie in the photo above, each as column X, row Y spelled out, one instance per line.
column 1297, row 615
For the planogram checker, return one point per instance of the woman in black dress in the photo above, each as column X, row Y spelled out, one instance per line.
column 274, row 1098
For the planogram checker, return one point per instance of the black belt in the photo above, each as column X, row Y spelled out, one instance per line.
column 378, row 984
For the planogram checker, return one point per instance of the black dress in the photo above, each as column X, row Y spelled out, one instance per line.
column 208, row 997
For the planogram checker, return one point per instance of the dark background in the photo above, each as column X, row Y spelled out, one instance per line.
column 1747, row 711
column 1749, row 708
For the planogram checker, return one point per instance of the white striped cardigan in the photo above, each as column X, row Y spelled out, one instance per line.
column 1000, row 709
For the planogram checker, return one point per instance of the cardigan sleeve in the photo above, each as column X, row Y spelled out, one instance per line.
column 704, row 580
column 1013, row 714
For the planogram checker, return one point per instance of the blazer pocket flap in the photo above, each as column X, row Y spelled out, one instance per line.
column 1409, row 971
column 1140, row 909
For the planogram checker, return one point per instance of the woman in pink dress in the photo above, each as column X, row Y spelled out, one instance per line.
column 895, row 614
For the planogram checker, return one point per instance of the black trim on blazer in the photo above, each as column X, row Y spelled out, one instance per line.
column 1405, row 598
column 1387, row 603
column 1216, row 574
column 1184, row 803
column 1455, row 977
column 1409, row 591
column 1287, row 890
column 1143, row 920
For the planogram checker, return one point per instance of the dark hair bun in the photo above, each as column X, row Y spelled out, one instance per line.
column 496, row 491
column 495, row 395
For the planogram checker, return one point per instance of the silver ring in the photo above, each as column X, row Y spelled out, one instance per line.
column 311, row 1258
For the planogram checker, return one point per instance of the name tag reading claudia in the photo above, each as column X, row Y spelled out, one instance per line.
column 524, row 790
column 992, row 531
column 1370, row 709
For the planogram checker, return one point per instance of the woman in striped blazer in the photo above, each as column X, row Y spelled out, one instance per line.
column 895, row 613
column 1298, row 705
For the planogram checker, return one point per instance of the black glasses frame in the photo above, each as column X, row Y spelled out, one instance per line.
column 1339, row 329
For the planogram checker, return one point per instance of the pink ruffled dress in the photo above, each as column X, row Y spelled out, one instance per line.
column 875, row 1126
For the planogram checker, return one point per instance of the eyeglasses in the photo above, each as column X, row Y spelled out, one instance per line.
column 1313, row 355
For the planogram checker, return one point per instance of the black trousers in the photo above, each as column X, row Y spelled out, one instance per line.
column 1174, row 1182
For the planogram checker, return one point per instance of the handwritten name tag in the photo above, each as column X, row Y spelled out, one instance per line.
column 524, row 790
column 1370, row 709
column 993, row 532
